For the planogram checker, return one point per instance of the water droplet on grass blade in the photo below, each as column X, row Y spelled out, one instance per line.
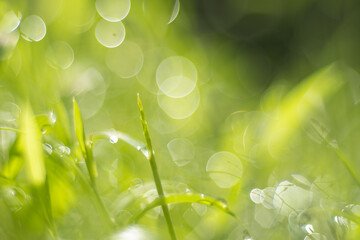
column 114, row 139
column 110, row 34
column 181, row 150
column 225, row 169
column 308, row 228
column 33, row 28
column 48, row 148
column 113, row 10
column 63, row 150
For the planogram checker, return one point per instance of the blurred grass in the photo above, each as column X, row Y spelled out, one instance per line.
column 270, row 90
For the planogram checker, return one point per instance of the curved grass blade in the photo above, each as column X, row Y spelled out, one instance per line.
column 186, row 198
column 154, row 170
column 106, row 135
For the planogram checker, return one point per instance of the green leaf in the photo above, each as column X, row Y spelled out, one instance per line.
column 32, row 147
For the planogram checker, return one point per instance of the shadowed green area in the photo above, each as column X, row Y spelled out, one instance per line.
column 252, row 106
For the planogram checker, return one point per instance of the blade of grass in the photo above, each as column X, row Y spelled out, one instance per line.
column 32, row 148
column 154, row 169
column 86, row 149
column 35, row 164
column 186, row 198
column 106, row 135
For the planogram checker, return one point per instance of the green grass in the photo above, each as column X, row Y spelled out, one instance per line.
column 247, row 128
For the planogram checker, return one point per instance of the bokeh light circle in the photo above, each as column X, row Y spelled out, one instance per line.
column 60, row 55
column 179, row 108
column 113, row 10
column 110, row 34
column 176, row 76
column 126, row 60
column 33, row 28
column 225, row 169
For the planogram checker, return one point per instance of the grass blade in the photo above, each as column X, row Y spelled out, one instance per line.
column 32, row 147
column 186, row 198
column 86, row 148
column 154, row 170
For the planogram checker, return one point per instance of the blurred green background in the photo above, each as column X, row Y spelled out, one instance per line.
column 252, row 106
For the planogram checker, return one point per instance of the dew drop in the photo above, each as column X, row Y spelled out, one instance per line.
column 309, row 228
column 114, row 139
column 48, row 148
column 63, row 150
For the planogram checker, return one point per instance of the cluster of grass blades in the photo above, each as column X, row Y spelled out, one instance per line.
column 47, row 168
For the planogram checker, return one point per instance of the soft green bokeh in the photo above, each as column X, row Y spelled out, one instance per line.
column 252, row 109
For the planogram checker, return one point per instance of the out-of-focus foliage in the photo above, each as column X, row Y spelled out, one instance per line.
column 252, row 108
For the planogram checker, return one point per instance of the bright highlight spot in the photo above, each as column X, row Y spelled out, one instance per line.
column 225, row 169
column 113, row 10
column 132, row 233
column 110, row 34
column 126, row 60
column 33, row 28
